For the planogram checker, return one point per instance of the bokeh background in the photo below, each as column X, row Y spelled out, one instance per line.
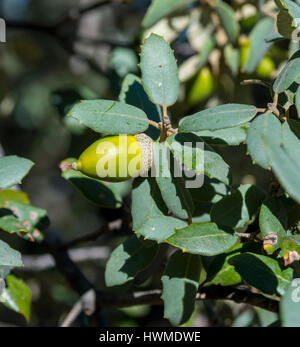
column 59, row 52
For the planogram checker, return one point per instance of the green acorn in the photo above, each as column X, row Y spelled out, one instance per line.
column 117, row 158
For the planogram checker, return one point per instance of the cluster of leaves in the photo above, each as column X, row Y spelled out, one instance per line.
column 205, row 224
column 204, row 228
column 228, row 41
column 17, row 216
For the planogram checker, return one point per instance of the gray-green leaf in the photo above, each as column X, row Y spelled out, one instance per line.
column 159, row 9
column 228, row 20
column 173, row 190
column 219, row 117
column 289, row 74
column 9, row 256
column 282, row 160
column 12, row 170
column 203, row 238
column 159, row 71
column 238, row 209
column 258, row 44
column 266, row 123
column 272, row 220
column 128, row 259
column 225, row 137
column 146, row 201
column 188, row 150
column 110, row 117
column 290, row 305
column 160, row 228
column 94, row 190
column 17, row 296
column 133, row 93
column 262, row 272
column 180, row 284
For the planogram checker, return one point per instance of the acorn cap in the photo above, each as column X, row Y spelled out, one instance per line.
column 146, row 145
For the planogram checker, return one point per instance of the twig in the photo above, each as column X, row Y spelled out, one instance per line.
column 82, row 285
column 166, row 127
column 273, row 105
column 154, row 124
column 153, row 297
column 44, row 262
column 166, row 119
column 72, row 315
column 261, row 110
column 256, row 82
column 87, row 304
column 65, row 264
column 245, row 235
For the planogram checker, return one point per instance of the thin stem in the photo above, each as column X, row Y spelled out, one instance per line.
column 153, row 297
column 166, row 124
column 166, row 118
column 256, row 82
column 72, row 315
column 261, row 110
column 154, row 124
column 87, row 304
column 275, row 99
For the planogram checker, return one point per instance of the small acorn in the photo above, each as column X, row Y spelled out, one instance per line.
column 200, row 87
column 265, row 67
column 117, row 158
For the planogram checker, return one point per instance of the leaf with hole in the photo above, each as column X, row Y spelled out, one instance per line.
column 273, row 220
column 33, row 219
